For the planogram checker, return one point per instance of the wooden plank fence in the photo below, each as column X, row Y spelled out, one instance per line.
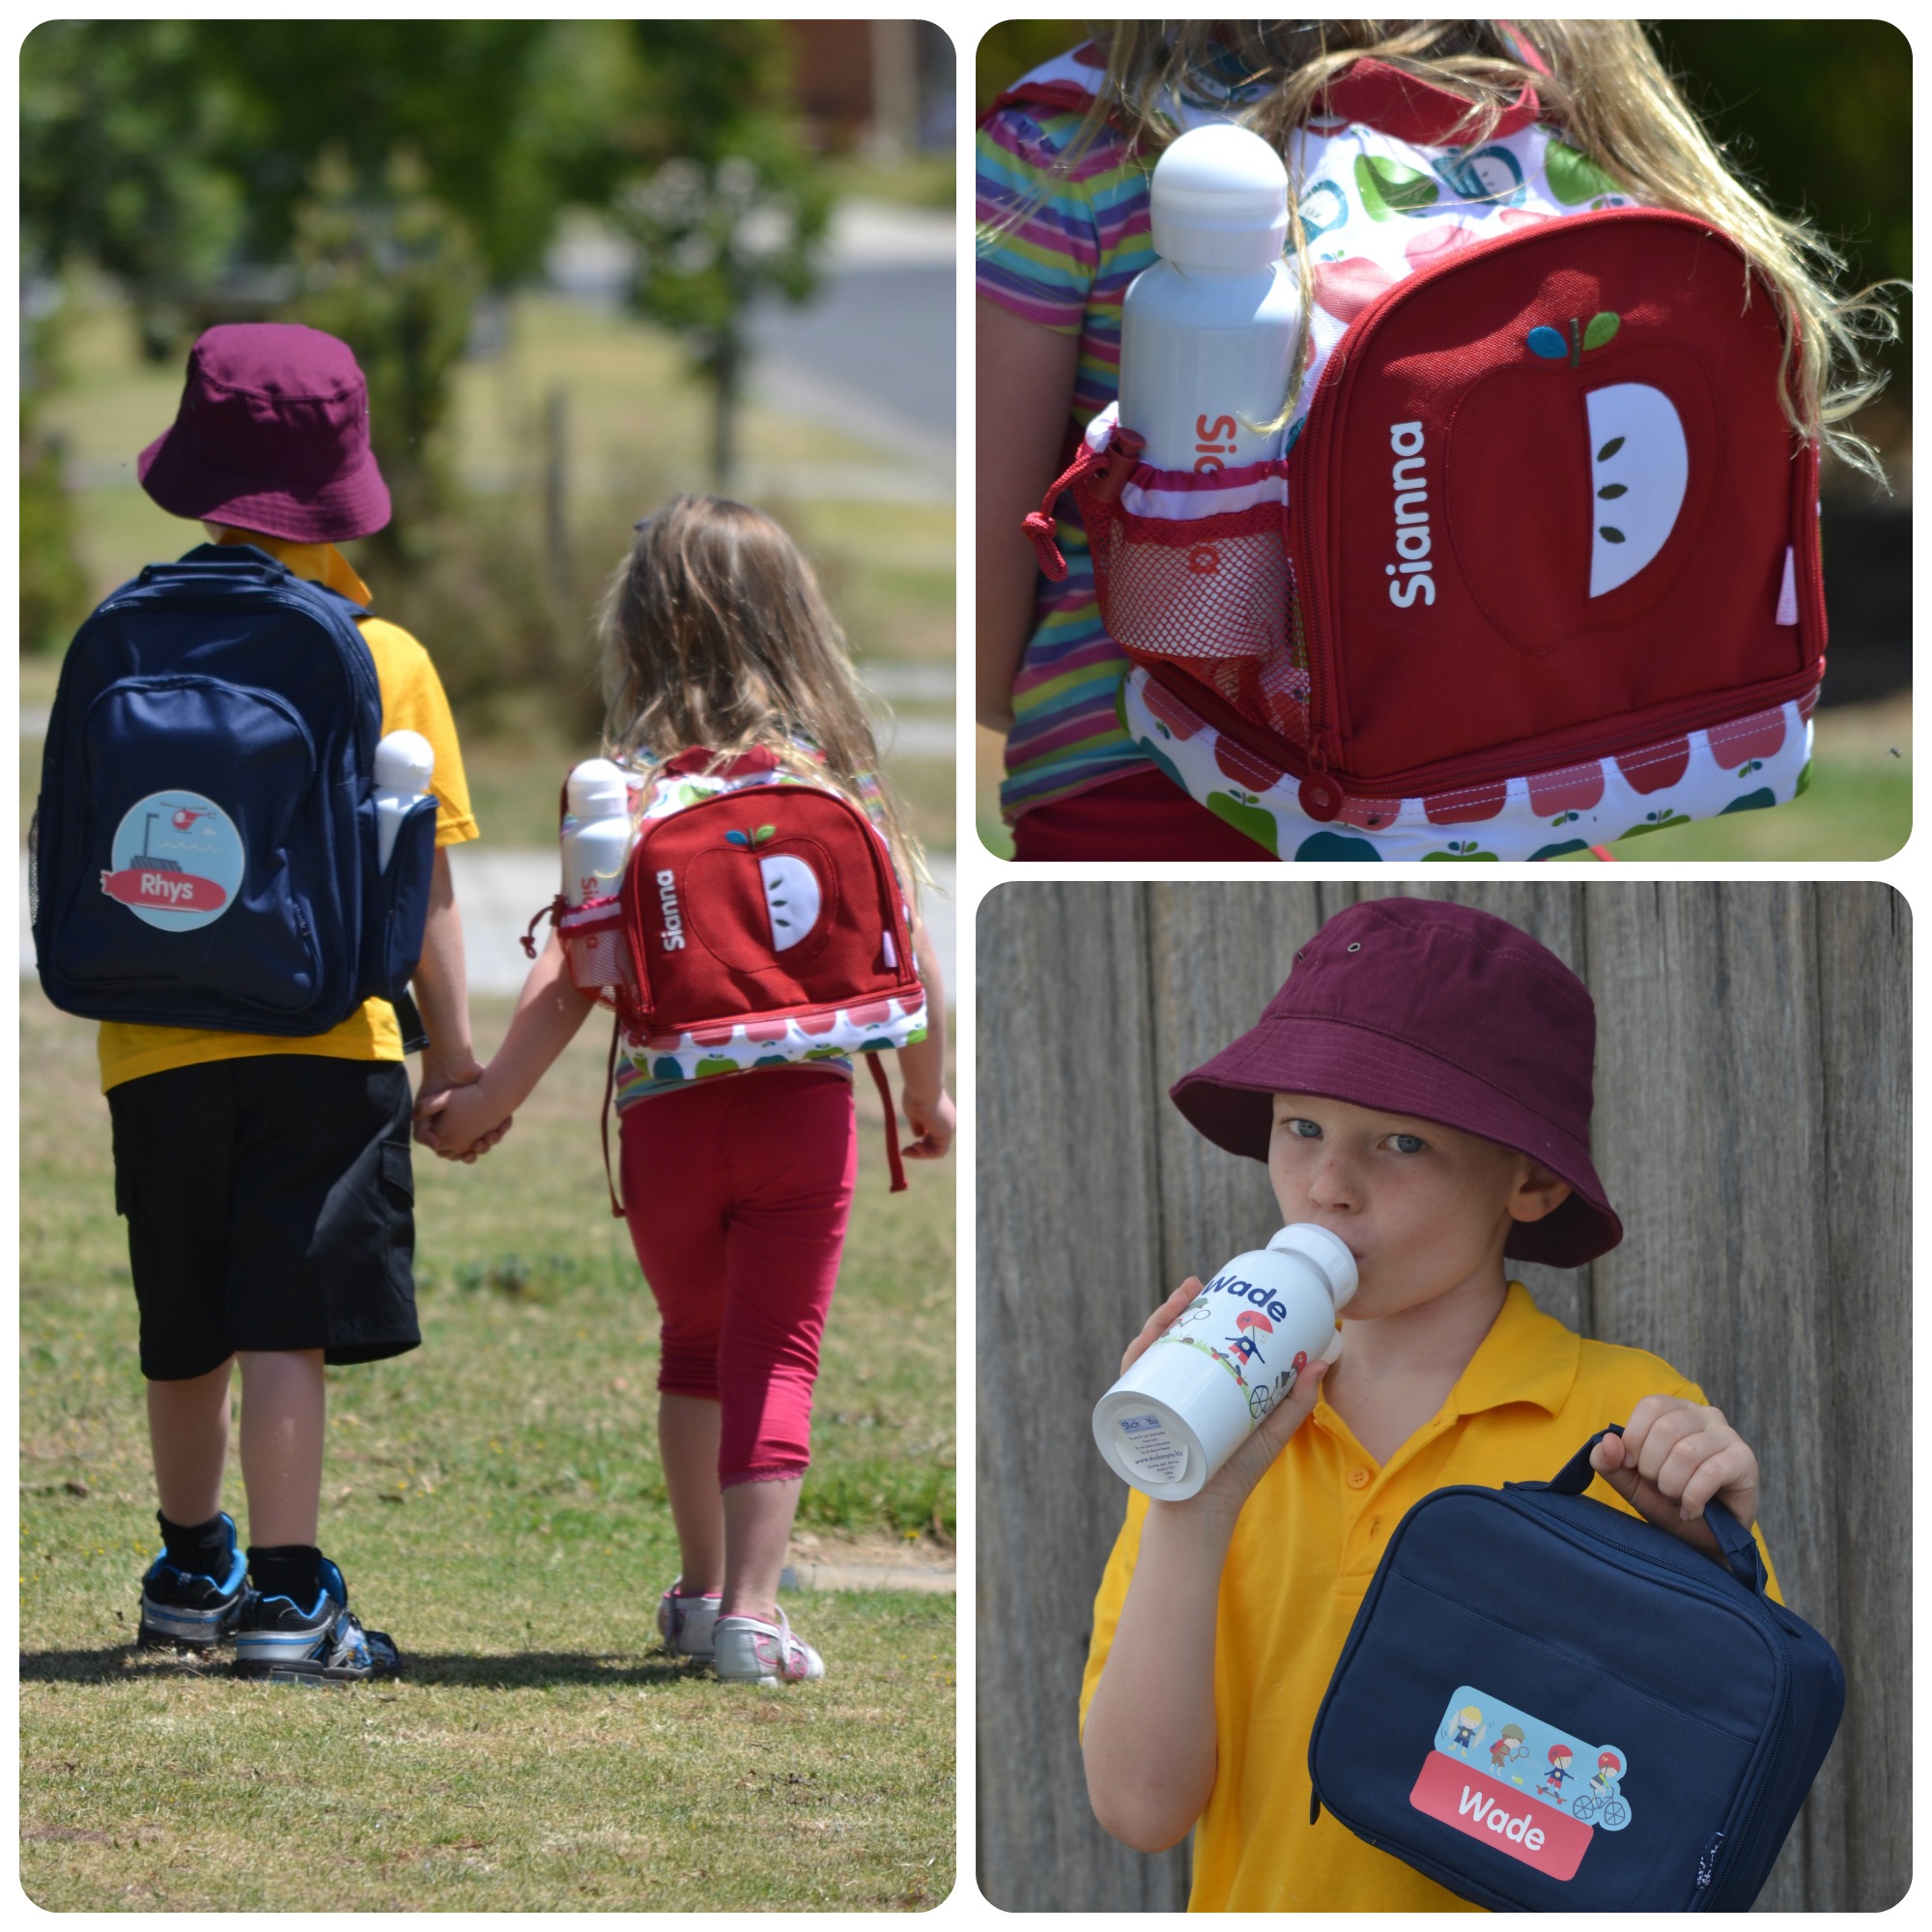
column 1752, row 1126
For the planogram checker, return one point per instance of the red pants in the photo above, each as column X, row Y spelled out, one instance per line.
column 1145, row 816
column 737, row 1193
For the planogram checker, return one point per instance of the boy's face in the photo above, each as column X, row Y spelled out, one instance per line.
column 1423, row 1208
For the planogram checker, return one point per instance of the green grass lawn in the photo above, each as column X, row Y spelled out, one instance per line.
column 496, row 1503
column 1856, row 805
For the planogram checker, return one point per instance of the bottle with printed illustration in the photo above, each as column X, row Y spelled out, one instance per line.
column 1239, row 1347
column 1207, row 335
column 596, row 830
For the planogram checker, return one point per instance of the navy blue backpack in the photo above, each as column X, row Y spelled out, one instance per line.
column 1547, row 1704
column 205, row 849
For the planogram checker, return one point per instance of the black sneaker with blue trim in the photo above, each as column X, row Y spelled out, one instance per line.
column 193, row 1609
column 288, row 1642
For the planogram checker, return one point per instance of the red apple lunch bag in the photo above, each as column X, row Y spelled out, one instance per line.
column 759, row 923
column 1539, row 565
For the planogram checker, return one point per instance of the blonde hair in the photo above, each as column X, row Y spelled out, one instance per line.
column 1599, row 82
column 715, row 633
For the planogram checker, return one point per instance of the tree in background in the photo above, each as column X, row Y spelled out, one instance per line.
column 117, row 132
column 735, row 212
column 396, row 276
column 375, row 177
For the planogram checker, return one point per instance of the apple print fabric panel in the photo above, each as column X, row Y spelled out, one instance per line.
column 1744, row 765
column 1528, row 1790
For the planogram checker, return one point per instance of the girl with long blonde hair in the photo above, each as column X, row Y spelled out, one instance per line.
column 718, row 642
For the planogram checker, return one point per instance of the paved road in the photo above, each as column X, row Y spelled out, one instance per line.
column 500, row 890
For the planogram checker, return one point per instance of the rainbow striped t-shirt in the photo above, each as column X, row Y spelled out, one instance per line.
column 1065, row 266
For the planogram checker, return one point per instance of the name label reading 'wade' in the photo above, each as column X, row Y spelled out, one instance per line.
column 1412, row 575
column 1532, row 1792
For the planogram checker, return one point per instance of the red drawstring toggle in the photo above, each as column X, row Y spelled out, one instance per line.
column 1039, row 523
column 552, row 912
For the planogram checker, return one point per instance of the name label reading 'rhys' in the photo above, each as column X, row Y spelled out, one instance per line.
column 1410, row 476
column 672, row 934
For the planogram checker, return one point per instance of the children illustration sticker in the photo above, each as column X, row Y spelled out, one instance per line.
column 176, row 861
column 1533, row 1792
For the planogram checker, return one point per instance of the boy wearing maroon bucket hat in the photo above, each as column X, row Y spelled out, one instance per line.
column 265, row 1180
column 1421, row 1086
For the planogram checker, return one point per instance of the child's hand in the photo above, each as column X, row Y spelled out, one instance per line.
column 1231, row 1484
column 443, row 1076
column 931, row 1119
column 1672, row 1457
column 461, row 1123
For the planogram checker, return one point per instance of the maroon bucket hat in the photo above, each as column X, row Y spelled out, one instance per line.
column 1438, row 1011
column 273, row 435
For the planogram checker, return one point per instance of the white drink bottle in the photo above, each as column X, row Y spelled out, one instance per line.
column 403, row 766
column 1208, row 333
column 596, row 830
column 1197, row 1394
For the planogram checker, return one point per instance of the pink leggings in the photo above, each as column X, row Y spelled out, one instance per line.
column 737, row 1193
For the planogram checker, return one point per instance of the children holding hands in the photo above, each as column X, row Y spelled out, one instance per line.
column 265, row 1177
column 1420, row 1087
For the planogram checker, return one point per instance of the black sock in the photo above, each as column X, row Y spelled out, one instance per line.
column 201, row 1549
column 291, row 1570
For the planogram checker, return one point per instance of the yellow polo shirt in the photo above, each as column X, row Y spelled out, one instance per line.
column 413, row 701
column 1303, row 1551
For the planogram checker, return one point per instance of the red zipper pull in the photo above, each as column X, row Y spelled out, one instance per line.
column 1320, row 796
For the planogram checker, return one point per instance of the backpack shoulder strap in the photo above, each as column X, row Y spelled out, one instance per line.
column 892, row 1158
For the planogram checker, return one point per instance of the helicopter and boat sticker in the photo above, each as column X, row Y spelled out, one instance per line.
column 176, row 861
column 1532, row 1791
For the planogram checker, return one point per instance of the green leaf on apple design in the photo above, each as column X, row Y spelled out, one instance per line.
column 1657, row 822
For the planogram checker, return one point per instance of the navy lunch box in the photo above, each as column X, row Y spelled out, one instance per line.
column 1548, row 1704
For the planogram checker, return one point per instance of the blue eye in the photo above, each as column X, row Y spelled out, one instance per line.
column 1408, row 1143
column 1306, row 1131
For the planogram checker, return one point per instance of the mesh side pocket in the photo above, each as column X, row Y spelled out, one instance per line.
column 1208, row 591
column 593, row 943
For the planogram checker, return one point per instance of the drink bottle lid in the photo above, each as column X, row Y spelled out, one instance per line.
column 596, row 789
column 404, row 761
column 1219, row 200
column 1329, row 1253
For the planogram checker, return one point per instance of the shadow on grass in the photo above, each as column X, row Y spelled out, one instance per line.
column 518, row 1670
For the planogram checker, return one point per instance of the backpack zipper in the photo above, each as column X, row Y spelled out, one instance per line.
column 1314, row 766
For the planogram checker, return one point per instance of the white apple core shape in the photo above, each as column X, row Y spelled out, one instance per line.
column 791, row 898
column 1640, row 467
